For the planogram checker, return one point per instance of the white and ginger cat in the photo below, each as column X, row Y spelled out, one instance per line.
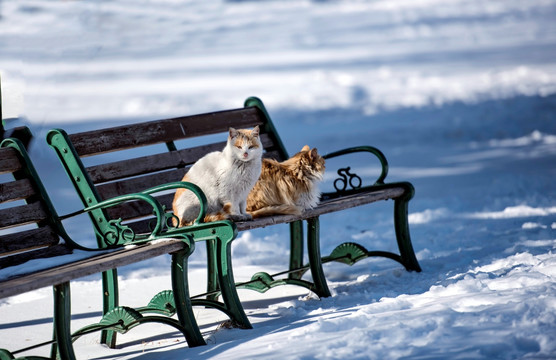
column 226, row 177
column 287, row 187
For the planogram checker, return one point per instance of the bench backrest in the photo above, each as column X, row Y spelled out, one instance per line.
column 28, row 223
column 179, row 143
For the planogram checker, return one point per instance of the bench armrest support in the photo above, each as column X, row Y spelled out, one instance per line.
column 184, row 185
column 369, row 149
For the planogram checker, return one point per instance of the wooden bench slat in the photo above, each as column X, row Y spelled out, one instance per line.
column 137, row 184
column 16, row 190
column 98, row 262
column 137, row 209
column 28, row 240
column 9, row 161
column 161, row 131
column 41, row 253
column 22, row 215
column 324, row 207
column 157, row 162
column 152, row 163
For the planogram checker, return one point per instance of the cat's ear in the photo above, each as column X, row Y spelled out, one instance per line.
column 233, row 132
column 255, row 131
column 305, row 148
column 313, row 154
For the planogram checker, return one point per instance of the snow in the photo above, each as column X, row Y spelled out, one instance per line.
column 460, row 95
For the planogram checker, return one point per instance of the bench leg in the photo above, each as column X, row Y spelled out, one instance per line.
column 296, row 249
column 182, row 300
column 212, row 271
column 227, row 284
column 110, row 298
column 62, row 317
column 315, row 260
column 401, row 226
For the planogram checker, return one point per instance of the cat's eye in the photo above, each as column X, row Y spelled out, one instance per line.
column 253, row 147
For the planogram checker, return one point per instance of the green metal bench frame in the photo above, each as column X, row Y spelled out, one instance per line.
column 50, row 240
column 93, row 184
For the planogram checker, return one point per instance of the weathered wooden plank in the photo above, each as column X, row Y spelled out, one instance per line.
column 40, row 253
column 9, row 160
column 157, row 162
column 161, row 131
column 16, row 190
column 21, row 215
column 27, row 240
column 138, row 209
column 140, row 183
column 325, row 207
column 148, row 164
column 98, row 262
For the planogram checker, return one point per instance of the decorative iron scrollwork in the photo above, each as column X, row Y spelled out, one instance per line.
column 119, row 234
column 347, row 178
column 172, row 221
column 168, row 222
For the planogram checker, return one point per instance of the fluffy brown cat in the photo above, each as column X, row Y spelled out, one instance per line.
column 287, row 187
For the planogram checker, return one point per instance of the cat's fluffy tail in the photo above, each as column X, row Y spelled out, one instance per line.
column 284, row 209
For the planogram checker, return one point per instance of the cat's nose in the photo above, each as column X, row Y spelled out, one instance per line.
column 245, row 155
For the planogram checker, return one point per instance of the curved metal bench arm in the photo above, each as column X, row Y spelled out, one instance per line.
column 184, row 185
column 369, row 149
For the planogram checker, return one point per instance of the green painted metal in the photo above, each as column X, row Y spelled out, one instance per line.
column 315, row 262
column 401, row 226
column 110, row 232
column 296, row 249
column 219, row 235
column 120, row 235
column 227, row 284
column 407, row 254
column 59, row 141
column 262, row 282
column 268, row 125
column 30, row 172
column 213, row 289
column 162, row 303
column 62, row 318
column 121, row 319
column 110, row 301
column 6, row 355
column 347, row 253
column 369, row 149
column 186, row 317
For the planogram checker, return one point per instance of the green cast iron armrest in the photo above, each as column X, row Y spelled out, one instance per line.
column 126, row 233
column 158, row 209
column 370, row 149
column 184, row 185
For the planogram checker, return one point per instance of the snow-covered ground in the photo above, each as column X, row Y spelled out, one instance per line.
column 460, row 95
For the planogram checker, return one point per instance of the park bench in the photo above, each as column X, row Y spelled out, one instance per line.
column 163, row 150
column 37, row 252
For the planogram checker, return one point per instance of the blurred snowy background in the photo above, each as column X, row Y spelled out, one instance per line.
column 460, row 95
